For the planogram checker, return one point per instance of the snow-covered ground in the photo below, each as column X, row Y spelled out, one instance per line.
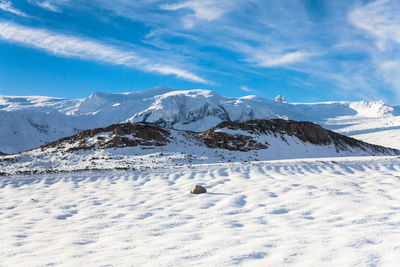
column 382, row 137
column 304, row 212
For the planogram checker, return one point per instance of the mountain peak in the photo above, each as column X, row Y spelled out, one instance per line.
column 280, row 99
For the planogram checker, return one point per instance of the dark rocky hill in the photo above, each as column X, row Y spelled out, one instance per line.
column 236, row 136
column 148, row 145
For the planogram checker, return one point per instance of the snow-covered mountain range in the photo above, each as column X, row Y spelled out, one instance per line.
column 30, row 121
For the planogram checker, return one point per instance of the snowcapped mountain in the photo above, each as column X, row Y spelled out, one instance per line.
column 144, row 145
column 28, row 122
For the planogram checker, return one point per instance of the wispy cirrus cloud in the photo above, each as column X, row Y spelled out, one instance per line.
column 87, row 49
column 208, row 10
column 247, row 89
column 47, row 5
column 51, row 5
column 345, row 46
column 266, row 60
column 255, row 35
column 380, row 21
column 8, row 7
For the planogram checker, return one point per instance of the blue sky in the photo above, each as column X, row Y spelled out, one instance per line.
column 310, row 50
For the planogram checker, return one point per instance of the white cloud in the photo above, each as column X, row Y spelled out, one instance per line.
column 47, row 5
column 72, row 46
column 169, row 70
column 390, row 71
column 266, row 34
column 204, row 9
column 280, row 60
column 52, row 5
column 381, row 19
column 208, row 10
column 247, row 89
column 7, row 6
column 252, row 38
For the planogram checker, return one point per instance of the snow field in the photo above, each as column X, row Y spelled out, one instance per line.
column 296, row 212
column 387, row 138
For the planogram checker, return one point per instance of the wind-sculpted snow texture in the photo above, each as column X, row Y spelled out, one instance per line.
column 144, row 145
column 324, row 212
column 28, row 122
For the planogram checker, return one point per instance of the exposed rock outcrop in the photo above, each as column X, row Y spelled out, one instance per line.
column 116, row 135
column 215, row 139
column 305, row 131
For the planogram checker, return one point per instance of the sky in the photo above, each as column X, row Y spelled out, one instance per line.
column 306, row 50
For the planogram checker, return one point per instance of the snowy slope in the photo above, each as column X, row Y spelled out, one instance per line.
column 323, row 212
column 28, row 122
column 383, row 137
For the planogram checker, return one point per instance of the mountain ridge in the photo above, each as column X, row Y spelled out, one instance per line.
column 148, row 145
column 28, row 122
